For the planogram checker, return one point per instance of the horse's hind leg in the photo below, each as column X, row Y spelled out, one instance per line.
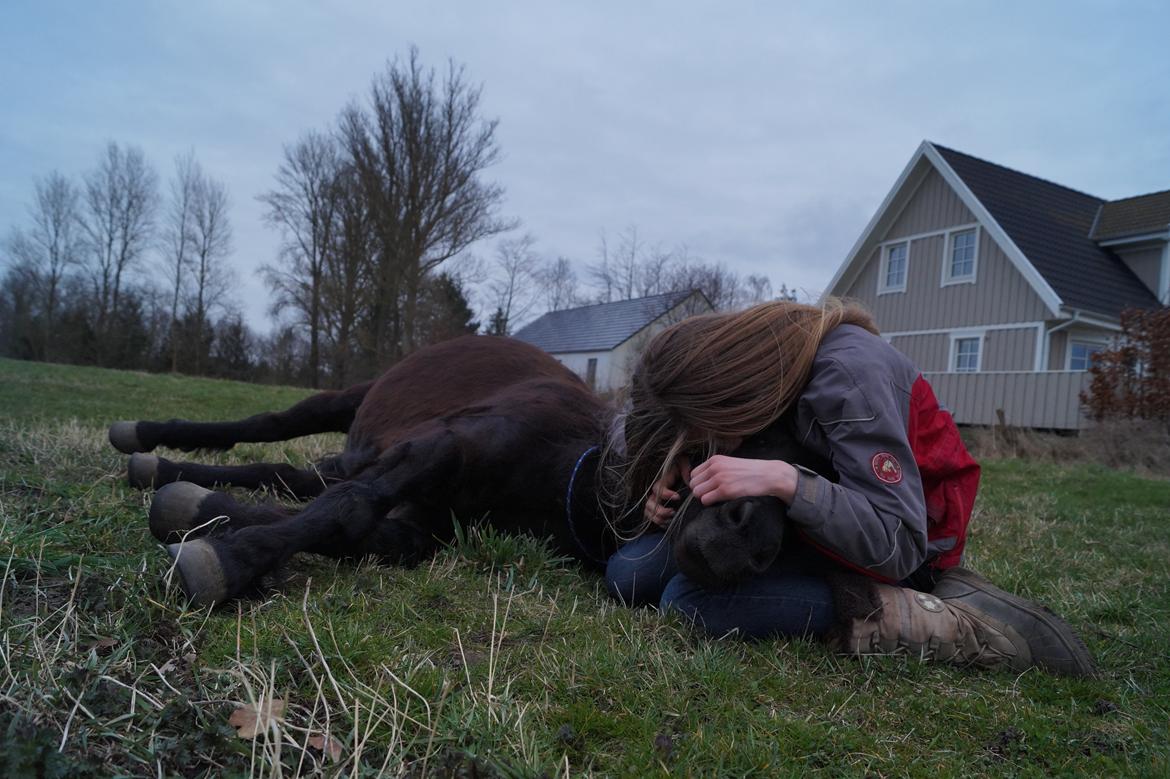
column 183, row 511
column 351, row 519
column 147, row 470
column 325, row 412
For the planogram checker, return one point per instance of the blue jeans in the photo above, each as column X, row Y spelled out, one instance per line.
column 792, row 598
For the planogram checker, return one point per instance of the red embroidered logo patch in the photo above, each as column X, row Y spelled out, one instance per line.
column 887, row 468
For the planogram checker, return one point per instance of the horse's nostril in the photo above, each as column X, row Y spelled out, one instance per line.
column 741, row 513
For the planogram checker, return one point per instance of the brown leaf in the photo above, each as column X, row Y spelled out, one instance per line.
column 251, row 720
column 328, row 745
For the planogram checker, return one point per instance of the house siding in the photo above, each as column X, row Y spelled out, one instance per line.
column 1045, row 400
column 935, row 206
column 1009, row 350
column 928, row 352
column 999, row 295
column 1146, row 264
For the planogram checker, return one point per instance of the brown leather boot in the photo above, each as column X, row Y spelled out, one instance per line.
column 965, row 620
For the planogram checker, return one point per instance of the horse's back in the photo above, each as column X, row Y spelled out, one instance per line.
column 443, row 378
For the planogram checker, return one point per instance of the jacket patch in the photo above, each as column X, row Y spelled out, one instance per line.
column 887, row 468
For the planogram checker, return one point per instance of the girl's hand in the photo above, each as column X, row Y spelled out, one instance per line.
column 656, row 510
column 726, row 478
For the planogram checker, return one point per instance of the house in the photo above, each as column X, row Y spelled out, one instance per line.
column 1002, row 286
column 601, row 342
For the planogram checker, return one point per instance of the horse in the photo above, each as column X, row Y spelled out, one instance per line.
column 476, row 426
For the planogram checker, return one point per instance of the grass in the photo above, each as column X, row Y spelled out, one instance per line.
column 498, row 659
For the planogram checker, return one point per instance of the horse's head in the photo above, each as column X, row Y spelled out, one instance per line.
column 722, row 544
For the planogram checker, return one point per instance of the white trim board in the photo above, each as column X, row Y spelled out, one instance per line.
column 964, row 329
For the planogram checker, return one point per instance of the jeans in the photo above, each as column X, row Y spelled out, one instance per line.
column 792, row 598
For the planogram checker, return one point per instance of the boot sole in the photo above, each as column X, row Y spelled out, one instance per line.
column 1080, row 662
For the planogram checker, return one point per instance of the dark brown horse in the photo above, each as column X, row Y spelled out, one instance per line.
column 475, row 426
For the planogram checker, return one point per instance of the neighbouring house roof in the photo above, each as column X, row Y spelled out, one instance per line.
column 1134, row 216
column 599, row 327
column 1053, row 227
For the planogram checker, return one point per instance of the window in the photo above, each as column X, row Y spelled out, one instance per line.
column 1082, row 355
column 961, row 266
column 966, row 352
column 893, row 275
column 591, row 373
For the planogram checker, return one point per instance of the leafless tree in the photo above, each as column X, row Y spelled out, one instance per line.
column 177, row 239
column 346, row 282
column 559, row 284
column 755, row 289
column 50, row 246
column 513, row 288
column 304, row 207
column 718, row 283
column 211, row 278
column 118, row 222
column 420, row 150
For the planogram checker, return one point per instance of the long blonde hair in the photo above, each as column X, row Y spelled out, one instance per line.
column 720, row 375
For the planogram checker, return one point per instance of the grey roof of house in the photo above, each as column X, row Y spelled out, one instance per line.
column 599, row 327
column 1051, row 224
column 1133, row 216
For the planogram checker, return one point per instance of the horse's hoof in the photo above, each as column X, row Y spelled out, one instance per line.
column 174, row 511
column 200, row 572
column 143, row 470
column 124, row 437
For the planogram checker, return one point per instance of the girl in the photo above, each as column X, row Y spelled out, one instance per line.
column 878, row 510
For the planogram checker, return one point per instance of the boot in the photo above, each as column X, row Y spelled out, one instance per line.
column 964, row 620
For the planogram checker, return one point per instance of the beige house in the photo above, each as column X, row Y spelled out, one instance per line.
column 601, row 342
column 1002, row 286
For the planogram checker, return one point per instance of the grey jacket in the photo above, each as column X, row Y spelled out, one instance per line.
column 854, row 411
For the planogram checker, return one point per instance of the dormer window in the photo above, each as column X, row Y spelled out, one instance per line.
column 959, row 263
column 893, row 270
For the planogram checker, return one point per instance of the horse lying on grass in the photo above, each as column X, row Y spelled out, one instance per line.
column 474, row 426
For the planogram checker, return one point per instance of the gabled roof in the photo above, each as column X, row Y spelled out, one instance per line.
column 1134, row 216
column 1052, row 226
column 1043, row 228
column 602, row 326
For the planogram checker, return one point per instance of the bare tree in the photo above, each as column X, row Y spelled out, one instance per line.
column 347, row 283
column 420, row 151
column 304, row 207
column 212, row 242
column 513, row 287
column 177, row 239
column 118, row 221
column 755, row 289
column 50, row 247
column 559, row 284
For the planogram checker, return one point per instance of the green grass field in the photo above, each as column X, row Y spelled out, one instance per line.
column 497, row 659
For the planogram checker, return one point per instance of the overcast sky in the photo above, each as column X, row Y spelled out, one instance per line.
column 763, row 135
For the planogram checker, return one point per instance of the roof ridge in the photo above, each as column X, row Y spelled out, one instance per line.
column 1050, row 182
column 624, row 300
column 1138, row 197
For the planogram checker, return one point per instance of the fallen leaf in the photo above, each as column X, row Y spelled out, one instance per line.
column 251, row 720
column 328, row 745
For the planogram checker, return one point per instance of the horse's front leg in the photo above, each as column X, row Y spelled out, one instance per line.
column 378, row 513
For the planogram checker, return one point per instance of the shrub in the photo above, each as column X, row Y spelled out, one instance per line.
column 1132, row 380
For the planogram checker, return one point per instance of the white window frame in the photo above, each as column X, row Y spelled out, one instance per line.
column 948, row 256
column 963, row 335
column 883, row 268
column 1068, row 349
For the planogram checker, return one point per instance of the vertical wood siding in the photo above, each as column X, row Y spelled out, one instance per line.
column 1009, row 350
column 928, row 352
column 1042, row 400
column 1146, row 265
column 935, row 206
column 1000, row 294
